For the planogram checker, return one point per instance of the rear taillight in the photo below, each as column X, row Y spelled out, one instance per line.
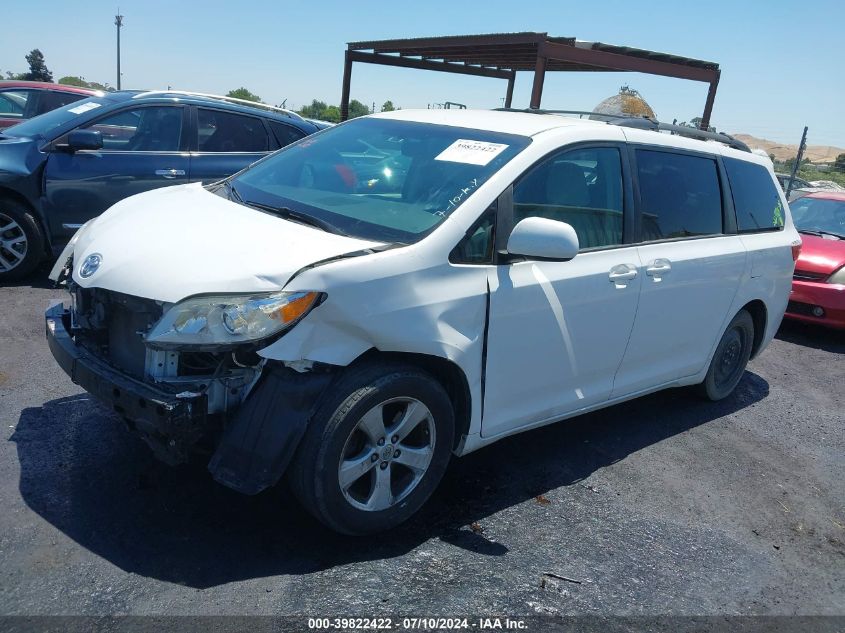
column 796, row 250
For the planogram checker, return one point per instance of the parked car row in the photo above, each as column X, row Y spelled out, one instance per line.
column 60, row 169
column 801, row 187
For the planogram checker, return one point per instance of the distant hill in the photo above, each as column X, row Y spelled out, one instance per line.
column 816, row 153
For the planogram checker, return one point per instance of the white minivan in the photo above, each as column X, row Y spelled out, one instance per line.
column 356, row 308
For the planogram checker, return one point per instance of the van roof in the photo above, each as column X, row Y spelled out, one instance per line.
column 530, row 124
column 522, row 123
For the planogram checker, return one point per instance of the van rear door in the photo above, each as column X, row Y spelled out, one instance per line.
column 692, row 263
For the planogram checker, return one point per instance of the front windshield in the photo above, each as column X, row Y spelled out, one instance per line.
column 379, row 179
column 41, row 125
column 819, row 214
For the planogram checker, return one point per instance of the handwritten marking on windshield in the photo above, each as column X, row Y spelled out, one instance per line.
column 456, row 200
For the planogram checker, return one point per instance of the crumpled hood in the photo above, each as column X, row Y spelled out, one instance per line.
column 168, row 244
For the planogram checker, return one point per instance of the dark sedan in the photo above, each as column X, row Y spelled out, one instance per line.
column 60, row 169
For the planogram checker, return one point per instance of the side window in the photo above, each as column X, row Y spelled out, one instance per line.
column 581, row 187
column 285, row 134
column 52, row 99
column 153, row 129
column 680, row 195
column 227, row 132
column 13, row 103
column 756, row 199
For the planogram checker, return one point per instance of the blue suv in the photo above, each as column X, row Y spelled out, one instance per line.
column 63, row 168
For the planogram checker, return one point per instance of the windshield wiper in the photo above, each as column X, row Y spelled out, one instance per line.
column 821, row 232
column 289, row 214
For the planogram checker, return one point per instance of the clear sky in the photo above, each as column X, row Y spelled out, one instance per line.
column 782, row 62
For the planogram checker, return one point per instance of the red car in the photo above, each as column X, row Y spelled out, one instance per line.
column 21, row 100
column 818, row 285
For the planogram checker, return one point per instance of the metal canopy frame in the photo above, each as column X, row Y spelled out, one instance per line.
column 502, row 55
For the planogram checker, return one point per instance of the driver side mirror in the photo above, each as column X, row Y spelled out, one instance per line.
column 541, row 238
column 84, row 139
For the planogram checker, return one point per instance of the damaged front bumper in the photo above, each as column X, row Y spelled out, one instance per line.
column 171, row 424
column 253, row 447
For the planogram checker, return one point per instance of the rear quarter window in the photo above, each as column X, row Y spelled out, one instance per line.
column 756, row 199
column 285, row 134
column 229, row 132
column 680, row 195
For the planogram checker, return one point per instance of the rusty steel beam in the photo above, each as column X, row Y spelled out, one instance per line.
column 509, row 93
column 616, row 61
column 423, row 64
column 539, row 79
column 711, row 97
column 453, row 40
column 404, row 62
column 347, row 82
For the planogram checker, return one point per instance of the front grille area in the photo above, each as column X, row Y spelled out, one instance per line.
column 111, row 325
column 804, row 275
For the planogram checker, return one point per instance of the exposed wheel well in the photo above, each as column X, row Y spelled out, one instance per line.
column 11, row 194
column 447, row 373
column 759, row 314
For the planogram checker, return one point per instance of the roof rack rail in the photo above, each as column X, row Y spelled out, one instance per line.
column 645, row 123
column 254, row 104
column 544, row 111
column 682, row 130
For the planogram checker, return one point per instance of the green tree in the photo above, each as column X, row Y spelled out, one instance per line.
column 839, row 164
column 315, row 110
column 72, row 80
column 331, row 114
column 387, row 106
column 321, row 111
column 243, row 93
column 356, row 109
column 37, row 68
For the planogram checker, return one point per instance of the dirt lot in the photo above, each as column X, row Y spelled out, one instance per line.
column 663, row 505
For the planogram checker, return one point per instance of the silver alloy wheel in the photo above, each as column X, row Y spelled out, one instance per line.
column 13, row 243
column 387, row 454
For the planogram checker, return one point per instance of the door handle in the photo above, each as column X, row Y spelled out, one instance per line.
column 170, row 173
column 621, row 274
column 658, row 269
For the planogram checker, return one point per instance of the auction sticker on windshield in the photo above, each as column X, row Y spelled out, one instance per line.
column 471, row 152
column 84, row 108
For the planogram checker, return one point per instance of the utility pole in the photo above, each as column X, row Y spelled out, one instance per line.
column 801, row 149
column 118, row 22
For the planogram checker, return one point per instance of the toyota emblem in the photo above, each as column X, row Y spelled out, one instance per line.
column 90, row 265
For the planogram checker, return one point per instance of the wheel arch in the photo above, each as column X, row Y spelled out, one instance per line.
column 759, row 315
column 450, row 376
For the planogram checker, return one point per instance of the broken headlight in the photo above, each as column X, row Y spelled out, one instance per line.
column 230, row 320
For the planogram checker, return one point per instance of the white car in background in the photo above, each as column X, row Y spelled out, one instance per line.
column 362, row 305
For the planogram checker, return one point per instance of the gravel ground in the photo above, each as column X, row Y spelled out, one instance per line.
column 665, row 505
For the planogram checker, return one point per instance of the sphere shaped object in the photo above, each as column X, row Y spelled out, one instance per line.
column 627, row 102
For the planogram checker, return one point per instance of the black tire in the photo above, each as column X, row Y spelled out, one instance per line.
column 314, row 474
column 729, row 360
column 15, row 214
